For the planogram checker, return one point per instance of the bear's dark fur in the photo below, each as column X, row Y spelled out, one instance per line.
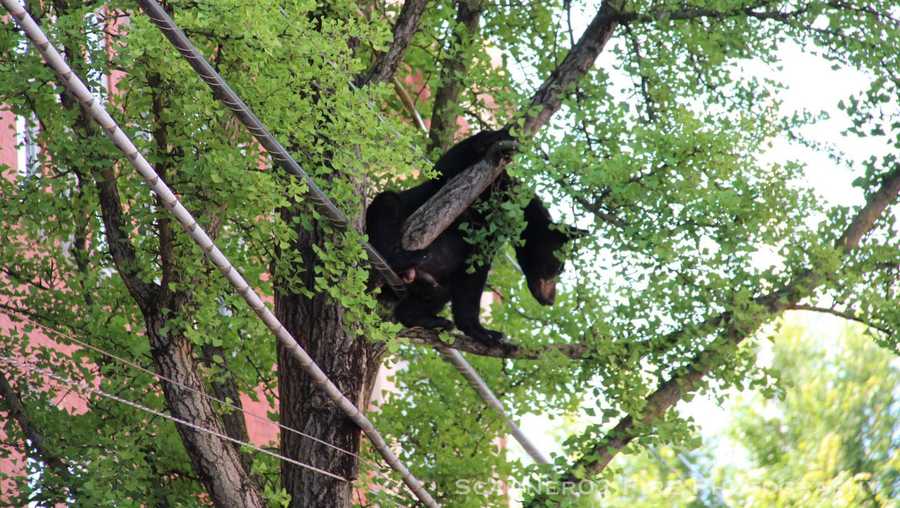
column 438, row 274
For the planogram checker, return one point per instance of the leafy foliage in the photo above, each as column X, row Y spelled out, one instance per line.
column 663, row 150
column 830, row 438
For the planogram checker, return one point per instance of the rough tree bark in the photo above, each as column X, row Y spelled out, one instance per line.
column 405, row 28
column 216, row 461
column 233, row 420
column 350, row 362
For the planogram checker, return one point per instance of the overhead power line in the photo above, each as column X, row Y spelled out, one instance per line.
column 484, row 391
column 77, row 88
column 63, row 336
column 86, row 388
column 279, row 154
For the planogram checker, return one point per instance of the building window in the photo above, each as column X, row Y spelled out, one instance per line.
column 28, row 151
column 95, row 30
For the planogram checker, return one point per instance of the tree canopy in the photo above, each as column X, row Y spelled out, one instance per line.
column 652, row 123
column 828, row 439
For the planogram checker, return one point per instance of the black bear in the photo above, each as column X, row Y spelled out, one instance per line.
column 438, row 274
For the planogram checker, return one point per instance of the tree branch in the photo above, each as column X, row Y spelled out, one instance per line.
column 470, row 345
column 758, row 11
column 35, row 440
column 670, row 392
column 164, row 223
column 548, row 98
column 439, row 212
column 405, row 28
column 841, row 314
column 120, row 247
column 691, row 13
column 443, row 116
column 409, row 105
column 442, row 209
column 645, row 80
column 874, row 207
column 233, row 421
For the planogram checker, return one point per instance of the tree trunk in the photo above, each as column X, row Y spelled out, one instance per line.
column 350, row 362
column 215, row 461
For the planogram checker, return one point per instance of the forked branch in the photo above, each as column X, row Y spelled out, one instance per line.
column 429, row 221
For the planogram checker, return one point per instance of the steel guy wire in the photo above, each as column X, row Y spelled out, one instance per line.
column 84, row 387
column 170, row 201
column 71, row 338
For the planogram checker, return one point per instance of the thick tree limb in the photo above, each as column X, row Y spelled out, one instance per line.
column 216, row 461
column 405, row 28
column 444, row 111
column 429, row 221
column 233, row 421
column 166, row 156
column 442, row 210
column 734, row 332
column 470, row 345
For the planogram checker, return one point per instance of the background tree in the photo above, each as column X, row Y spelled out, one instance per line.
column 658, row 147
column 833, row 439
column 829, row 438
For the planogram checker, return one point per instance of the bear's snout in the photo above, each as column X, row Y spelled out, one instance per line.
column 543, row 290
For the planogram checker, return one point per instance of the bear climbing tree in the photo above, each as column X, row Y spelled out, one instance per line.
column 444, row 271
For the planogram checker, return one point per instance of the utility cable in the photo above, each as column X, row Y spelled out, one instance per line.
column 222, row 91
column 78, row 90
column 484, row 391
column 63, row 336
column 84, row 387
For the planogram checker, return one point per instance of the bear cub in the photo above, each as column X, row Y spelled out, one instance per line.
column 438, row 274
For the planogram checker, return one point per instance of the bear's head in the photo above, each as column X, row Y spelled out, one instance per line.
column 540, row 252
column 469, row 151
